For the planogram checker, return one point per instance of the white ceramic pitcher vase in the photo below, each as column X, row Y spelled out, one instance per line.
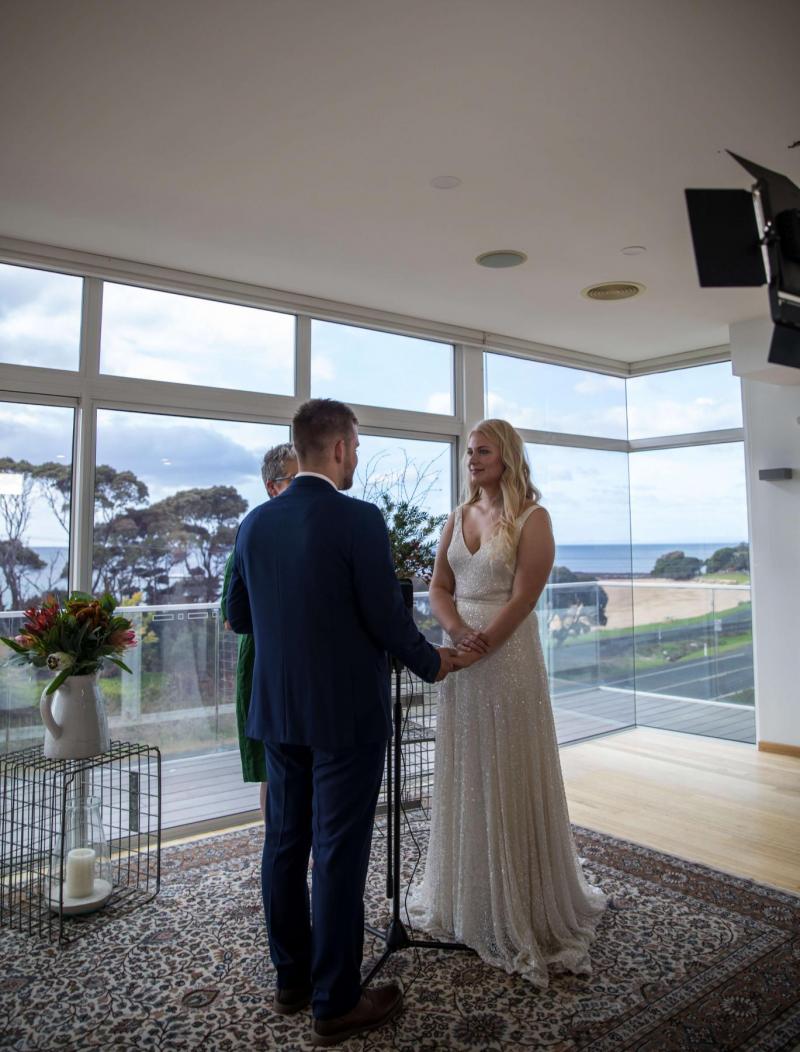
column 75, row 721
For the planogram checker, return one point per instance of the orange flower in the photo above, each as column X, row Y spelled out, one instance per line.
column 91, row 612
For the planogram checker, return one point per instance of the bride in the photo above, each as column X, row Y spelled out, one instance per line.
column 502, row 874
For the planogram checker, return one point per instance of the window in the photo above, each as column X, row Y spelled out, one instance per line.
column 586, row 612
column 181, row 339
column 414, row 469
column 694, row 660
column 169, row 495
column 35, row 491
column 170, row 492
column 380, row 368
column 684, row 401
column 35, row 486
column 40, row 318
column 543, row 397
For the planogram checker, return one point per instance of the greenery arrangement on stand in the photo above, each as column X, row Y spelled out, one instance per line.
column 401, row 495
column 72, row 638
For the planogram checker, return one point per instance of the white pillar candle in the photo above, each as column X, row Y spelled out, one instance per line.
column 80, row 872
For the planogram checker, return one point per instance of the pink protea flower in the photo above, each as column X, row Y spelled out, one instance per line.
column 123, row 637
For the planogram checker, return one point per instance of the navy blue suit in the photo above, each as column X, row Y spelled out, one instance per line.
column 313, row 582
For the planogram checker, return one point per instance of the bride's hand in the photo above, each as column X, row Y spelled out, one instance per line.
column 470, row 639
column 465, row 658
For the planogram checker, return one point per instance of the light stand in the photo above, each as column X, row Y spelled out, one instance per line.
column 396, row 935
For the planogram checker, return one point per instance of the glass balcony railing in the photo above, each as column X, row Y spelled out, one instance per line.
column 618, row 655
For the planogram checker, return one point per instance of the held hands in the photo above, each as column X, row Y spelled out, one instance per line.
column 470, row 639
column 448, row 658
column 454, row 660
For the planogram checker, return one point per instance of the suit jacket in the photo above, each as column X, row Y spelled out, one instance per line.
column 313, row 582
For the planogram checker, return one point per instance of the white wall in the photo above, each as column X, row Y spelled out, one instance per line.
column 772, row 440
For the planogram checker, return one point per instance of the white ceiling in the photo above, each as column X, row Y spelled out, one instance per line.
column 291, row 144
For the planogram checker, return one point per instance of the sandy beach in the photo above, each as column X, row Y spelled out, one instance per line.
column 647, row 602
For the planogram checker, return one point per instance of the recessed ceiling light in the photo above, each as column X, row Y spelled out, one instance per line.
column 445, row 182
column 613, row 290
column 633, row 250
column 501, row 257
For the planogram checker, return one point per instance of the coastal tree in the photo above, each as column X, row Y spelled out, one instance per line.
column 198, row 527
column 734, row 559
column 20, row 565
column 677, row 566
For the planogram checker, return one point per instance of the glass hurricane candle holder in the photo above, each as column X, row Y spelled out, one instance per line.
column 81, row 860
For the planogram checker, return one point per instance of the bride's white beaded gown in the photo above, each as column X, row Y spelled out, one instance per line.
column 502, row 874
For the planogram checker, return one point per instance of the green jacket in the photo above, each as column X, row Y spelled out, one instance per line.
column 254, row 768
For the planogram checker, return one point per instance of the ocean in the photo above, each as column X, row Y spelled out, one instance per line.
column 580, row 558
column 622, row 558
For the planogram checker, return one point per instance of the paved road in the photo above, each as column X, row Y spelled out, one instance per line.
column 707, row 677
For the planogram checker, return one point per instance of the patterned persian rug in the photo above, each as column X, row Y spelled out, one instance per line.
column 686, row 958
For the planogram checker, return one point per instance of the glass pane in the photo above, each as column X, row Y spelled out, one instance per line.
column 170, row 493
column 554, row 398
column 380, row 368
column 411, row 469
column 694, row 648
column 395, row 470
column 40, row 318
column 586, row 613
column 35, row 483
column 684, row 401
column 182, row 339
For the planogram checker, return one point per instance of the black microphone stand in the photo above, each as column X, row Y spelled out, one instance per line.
column 396, row 935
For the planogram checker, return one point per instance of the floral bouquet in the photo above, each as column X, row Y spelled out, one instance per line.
column 72, row 638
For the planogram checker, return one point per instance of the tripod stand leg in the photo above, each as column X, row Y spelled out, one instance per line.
column 396, row 935
column 389, row 829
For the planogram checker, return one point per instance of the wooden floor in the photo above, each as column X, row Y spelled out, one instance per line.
column 718, row 802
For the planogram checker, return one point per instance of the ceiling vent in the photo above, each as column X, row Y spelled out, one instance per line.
column 613, row 290
column 501, row 258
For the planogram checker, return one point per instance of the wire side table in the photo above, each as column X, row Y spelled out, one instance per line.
column 34, row 796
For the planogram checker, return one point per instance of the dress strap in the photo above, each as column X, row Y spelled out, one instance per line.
column 458, row 530
column 523, row 518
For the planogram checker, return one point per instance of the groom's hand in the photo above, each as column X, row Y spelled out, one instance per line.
column 448, row 658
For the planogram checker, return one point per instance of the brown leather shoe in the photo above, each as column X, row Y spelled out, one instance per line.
column 287, row 1002
column 375, row 1008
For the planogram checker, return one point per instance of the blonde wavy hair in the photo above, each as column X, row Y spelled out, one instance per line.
column 516, row 487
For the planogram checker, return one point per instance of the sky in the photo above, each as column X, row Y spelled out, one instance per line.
column 676, row 495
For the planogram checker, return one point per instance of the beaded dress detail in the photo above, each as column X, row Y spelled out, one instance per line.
column 502, row 874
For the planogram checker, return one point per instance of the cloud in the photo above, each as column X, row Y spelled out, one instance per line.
column 200, row 452
column 596, row 383
column 40, row 318
column 439, row 402
column 673, row 417
column 322, row 368
column 606, row 422
column 686, row 495
column 161, row 336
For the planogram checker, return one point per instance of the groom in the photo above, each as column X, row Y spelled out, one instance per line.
column 313, row 582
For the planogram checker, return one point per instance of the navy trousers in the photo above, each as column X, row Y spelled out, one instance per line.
column 323, row 801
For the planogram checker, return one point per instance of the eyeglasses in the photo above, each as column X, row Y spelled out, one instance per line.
column 285, row 478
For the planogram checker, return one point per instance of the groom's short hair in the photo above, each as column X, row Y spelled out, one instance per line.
column 318, row 422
